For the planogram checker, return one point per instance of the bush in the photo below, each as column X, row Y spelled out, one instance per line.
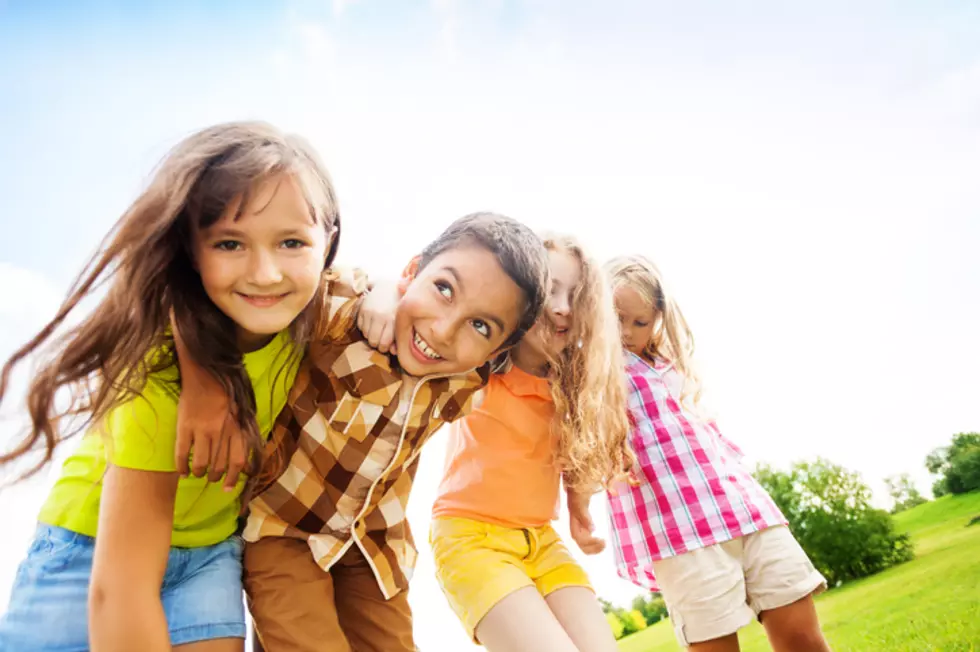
column 957, row 465
column 652, row 607
column 615, row 624
column 634, row 622
column 829, row 511
column 625, row 622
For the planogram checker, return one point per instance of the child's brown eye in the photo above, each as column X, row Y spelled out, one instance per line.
column 228, row 245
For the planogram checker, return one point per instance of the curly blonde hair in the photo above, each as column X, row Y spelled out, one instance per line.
column 671, row 339
column 588, row 384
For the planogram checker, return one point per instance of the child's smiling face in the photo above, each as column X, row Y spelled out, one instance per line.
column 457, row 313
column 263, row 267
column 551, row 334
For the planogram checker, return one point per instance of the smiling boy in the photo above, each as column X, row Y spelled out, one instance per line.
column 330, row 552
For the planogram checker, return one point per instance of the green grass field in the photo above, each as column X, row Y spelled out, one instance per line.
column 929, row 604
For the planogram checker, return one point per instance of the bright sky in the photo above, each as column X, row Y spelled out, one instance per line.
column 805, row 176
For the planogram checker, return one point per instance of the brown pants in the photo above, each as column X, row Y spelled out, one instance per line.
column 297, row 607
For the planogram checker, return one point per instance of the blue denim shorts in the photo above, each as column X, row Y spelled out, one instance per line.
column 201, row 594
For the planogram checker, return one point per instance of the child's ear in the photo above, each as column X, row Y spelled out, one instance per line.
column 403, row 284
column 408, row 275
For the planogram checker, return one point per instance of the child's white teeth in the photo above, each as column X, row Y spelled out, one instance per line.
column 424, row 348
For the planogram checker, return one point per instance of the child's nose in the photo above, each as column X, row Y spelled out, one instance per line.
column 561, row 307
column 264, row 270
column 443, row 330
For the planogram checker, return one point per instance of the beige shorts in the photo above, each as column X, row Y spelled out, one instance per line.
column 715, row 591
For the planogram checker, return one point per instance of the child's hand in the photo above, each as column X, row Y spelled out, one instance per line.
column 206, row 427
column 581, row 525
column 376, row 317
column 205, row 424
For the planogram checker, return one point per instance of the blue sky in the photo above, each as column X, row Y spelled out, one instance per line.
column 805, row 175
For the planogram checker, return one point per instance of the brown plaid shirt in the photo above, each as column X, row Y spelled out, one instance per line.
column 349, row 440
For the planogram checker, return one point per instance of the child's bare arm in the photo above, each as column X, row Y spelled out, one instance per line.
column 205, row 424
column 131, row 551
column 580, row 523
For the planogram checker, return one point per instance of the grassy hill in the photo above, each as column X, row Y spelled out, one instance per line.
column 929, row 604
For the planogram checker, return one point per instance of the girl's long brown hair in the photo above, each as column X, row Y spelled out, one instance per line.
column 146, row 265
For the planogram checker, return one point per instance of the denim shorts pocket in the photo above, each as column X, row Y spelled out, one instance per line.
column 53, row 549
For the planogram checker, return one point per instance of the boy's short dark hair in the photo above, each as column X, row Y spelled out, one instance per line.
column 517, row 248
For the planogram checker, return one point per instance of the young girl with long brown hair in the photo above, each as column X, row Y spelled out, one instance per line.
column 230, row 242
column 696, row 525
column 554, row 410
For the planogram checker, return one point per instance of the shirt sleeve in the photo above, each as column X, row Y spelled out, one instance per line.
column 142, row 432
column 342, row 293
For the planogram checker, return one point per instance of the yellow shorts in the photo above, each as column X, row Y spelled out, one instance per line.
column 479, row 564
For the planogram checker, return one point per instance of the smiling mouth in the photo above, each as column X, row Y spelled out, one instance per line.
column 263, row 300
column 423, row 350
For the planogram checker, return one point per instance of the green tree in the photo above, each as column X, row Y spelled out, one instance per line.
column 957, row 465
column 829, row 511
column 903, row 492
column 652, row 607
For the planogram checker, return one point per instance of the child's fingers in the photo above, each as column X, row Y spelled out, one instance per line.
column 363, row 320
column 202, row 455
column 373, row 331
column 219, row 458
column 387, row 337
column 595, row 546
column 237, row 457
column 182, row 450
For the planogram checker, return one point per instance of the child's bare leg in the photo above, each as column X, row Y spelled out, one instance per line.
column 523, row 622
column 795, row 628
column 579, row 613
column 217, row 645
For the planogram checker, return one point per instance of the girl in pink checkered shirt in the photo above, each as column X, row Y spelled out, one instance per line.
column 695, row 525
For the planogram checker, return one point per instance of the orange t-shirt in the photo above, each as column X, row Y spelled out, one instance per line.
column 500, row 465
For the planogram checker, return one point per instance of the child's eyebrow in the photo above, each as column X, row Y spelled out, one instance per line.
column 231, row 232
column 498, row 322
column 224, row 232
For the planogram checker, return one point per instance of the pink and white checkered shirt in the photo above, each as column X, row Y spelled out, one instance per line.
column 694, row 490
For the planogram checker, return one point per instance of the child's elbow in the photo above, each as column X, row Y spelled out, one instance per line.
column 101, row 596
column 108, row 597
